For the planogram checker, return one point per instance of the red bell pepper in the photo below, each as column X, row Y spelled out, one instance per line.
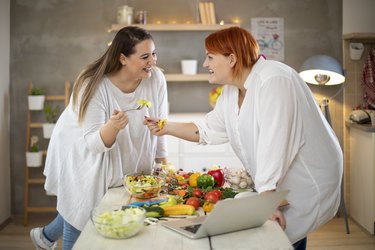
column 218, row 175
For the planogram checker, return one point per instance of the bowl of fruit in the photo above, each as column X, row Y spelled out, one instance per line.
column 118, row 222
column 143, row 186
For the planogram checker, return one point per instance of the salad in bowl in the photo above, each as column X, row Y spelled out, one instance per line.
column 143, row 185
column 118, row 222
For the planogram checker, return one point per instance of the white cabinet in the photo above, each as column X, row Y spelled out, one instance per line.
column 193, row 157
column 362, row 176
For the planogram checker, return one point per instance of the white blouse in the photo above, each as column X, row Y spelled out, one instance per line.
column 284, row 141
column 80, row 168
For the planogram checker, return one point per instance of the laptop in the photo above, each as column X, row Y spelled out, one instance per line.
column 230, row 215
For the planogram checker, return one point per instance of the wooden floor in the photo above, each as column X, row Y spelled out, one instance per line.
column 332, row 236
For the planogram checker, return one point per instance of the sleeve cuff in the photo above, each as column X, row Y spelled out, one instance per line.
column 266, row 188
column 201, row 140
column 95, row 143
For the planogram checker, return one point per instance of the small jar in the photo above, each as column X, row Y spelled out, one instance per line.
column 141, row 17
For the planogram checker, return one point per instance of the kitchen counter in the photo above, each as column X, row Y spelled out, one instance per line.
column 268, row 236
column 186, row 117
column 364, row 127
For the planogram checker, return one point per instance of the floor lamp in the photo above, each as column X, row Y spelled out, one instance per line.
column 325, row 70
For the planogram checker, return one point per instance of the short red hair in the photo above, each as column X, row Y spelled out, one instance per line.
column 237, row 41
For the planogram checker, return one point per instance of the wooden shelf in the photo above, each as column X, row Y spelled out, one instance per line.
column 36, row 125
column 55, row 98
column 32, row 180
column 186, row 78
column 36, row 180
column 40, row 209
column 175, row 27
column 359, row 37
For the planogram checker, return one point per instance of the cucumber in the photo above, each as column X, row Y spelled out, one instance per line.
column 155, row 212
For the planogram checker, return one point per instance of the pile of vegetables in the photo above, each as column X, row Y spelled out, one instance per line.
column 200, row 189
column 188, row 191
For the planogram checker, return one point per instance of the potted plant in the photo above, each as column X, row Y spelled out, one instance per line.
column 36, row 98
column 51, row 115
column 34, row 157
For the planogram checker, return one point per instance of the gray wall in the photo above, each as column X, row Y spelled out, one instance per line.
column 53, row 40
column 4, row 111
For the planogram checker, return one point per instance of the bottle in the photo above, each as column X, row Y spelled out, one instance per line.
column 141, row 17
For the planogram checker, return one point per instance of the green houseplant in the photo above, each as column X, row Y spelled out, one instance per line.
column 34, row 157
column 36, row 98
column 51, row 114
column 37, row 91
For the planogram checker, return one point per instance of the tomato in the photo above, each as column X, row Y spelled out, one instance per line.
column 208, row 206
column 193, row 201
column 217, row 192
column 197, row 192
column 218, row 175
column 186, row 176
column 205, row 180
column 193, row 179
column 211, row 197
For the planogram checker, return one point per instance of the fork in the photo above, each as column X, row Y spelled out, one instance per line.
column 137, row 108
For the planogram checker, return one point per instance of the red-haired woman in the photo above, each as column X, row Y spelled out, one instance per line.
column 269, row 116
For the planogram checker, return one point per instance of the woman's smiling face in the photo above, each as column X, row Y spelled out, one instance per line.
column 140, row 63
column 219, row 67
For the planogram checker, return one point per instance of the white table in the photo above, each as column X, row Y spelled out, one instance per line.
column 269, row 236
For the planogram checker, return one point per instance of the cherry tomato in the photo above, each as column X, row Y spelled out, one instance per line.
column 211, row 197
column 186, row 176
column 193, row 201
column 197, row 192
column 217, row 192
column 208, row 206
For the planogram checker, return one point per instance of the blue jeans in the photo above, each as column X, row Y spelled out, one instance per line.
column 59, row 227
column 301, row 244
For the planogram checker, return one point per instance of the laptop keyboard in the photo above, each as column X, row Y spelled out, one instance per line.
column 192, row 228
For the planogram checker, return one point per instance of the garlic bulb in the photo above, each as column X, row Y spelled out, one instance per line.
column 238, row 178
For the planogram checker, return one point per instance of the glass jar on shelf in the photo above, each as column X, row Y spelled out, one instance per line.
column 141, row 17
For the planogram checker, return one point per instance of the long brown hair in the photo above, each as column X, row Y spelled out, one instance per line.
column 237, row 41
column 124, row 42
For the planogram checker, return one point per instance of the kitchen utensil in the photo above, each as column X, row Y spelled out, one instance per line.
column 147, row 203
column 137, row 108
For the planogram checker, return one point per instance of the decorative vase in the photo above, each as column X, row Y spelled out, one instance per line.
column 34, row 159
column 189, row 67
column 356, row 51
column 36, row 102
column 47, row 129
